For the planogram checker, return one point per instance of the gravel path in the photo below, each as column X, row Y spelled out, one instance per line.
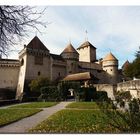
column 22, row 126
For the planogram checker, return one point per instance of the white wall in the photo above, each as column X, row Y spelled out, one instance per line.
column 9, row 77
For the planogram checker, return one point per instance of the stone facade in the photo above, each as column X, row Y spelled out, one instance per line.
column 36, row 60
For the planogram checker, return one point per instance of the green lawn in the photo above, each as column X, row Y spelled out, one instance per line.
column 20, row 111
column 36, row 105
column 11, row 115
column 85, row 105
column 77, row 121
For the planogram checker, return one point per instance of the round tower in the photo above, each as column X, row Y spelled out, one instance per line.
column 71, row 56
column 110, row 65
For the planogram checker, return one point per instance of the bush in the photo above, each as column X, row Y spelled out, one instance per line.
column 101, row 96
column 64, row 87
column 123, row 95
column 37, row 84
column 49, row 93
column 85, row 94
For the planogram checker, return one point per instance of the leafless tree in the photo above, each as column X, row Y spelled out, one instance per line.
column 15, row 22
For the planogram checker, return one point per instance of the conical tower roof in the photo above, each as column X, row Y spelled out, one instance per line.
column 126, row 64
column 110, row 57
column 69, row 49
column 85, row 44
column 35, row 43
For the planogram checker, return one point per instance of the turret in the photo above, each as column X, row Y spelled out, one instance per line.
column 71, row 56
column 35, row 62
column 87, row 52
column 110, row 65
column 125, row 65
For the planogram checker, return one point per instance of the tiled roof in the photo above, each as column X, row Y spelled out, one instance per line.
column 57, row 57
column 35, row 43
column 125, row 65
column 109, row 57
column 85, row 44
column 79, row 76
column 69, row 49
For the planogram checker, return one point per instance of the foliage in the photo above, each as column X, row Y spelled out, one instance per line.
column 85, row 93
column 77, row 121
column 64, row 87
column 137, row 55
column 123, row 96
column 133, row 70
column 15, row 22
column 11, row 115
column 35, row 105
column 129, row 121
column 37, row 84
column 101, row 96
column 49, row 93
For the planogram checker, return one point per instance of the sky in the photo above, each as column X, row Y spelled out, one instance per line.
column 113, row 29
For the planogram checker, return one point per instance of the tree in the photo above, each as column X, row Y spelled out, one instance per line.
column 37, row 84
column 15, row 21
column 137, row 55
column 125, row 122
column 133, row 70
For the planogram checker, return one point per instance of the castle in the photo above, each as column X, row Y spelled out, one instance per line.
column 72, row 64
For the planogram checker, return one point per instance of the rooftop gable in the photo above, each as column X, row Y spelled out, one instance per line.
column 35, row 43
column 86, row 44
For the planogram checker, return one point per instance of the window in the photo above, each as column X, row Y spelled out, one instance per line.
column 39, row 73
column 59, row 74
column 38, row 60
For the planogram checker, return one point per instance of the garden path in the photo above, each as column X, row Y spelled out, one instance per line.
column 22, row 126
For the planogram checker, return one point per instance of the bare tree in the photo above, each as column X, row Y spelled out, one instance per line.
column 15, row 21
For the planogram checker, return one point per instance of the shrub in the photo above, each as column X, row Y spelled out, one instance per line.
column 85, row 94
column 37, row 84
column 123, row 95
column 101, row 96
column 64, row 87
column 49, row 93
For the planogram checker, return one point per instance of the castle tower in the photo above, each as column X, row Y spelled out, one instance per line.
column 125, row 65
column 87, row 52
column 34, row 61
column 110, row 65
column 71, row 56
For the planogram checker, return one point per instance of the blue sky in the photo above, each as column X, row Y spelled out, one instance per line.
column 110, row 28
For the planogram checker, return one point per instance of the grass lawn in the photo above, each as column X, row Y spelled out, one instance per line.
column 36, row 105
column 77, row 121
column 20, row 111
column 11, row 115
column 85, row 105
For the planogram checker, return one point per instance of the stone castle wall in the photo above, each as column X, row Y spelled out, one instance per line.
column 132, row 86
